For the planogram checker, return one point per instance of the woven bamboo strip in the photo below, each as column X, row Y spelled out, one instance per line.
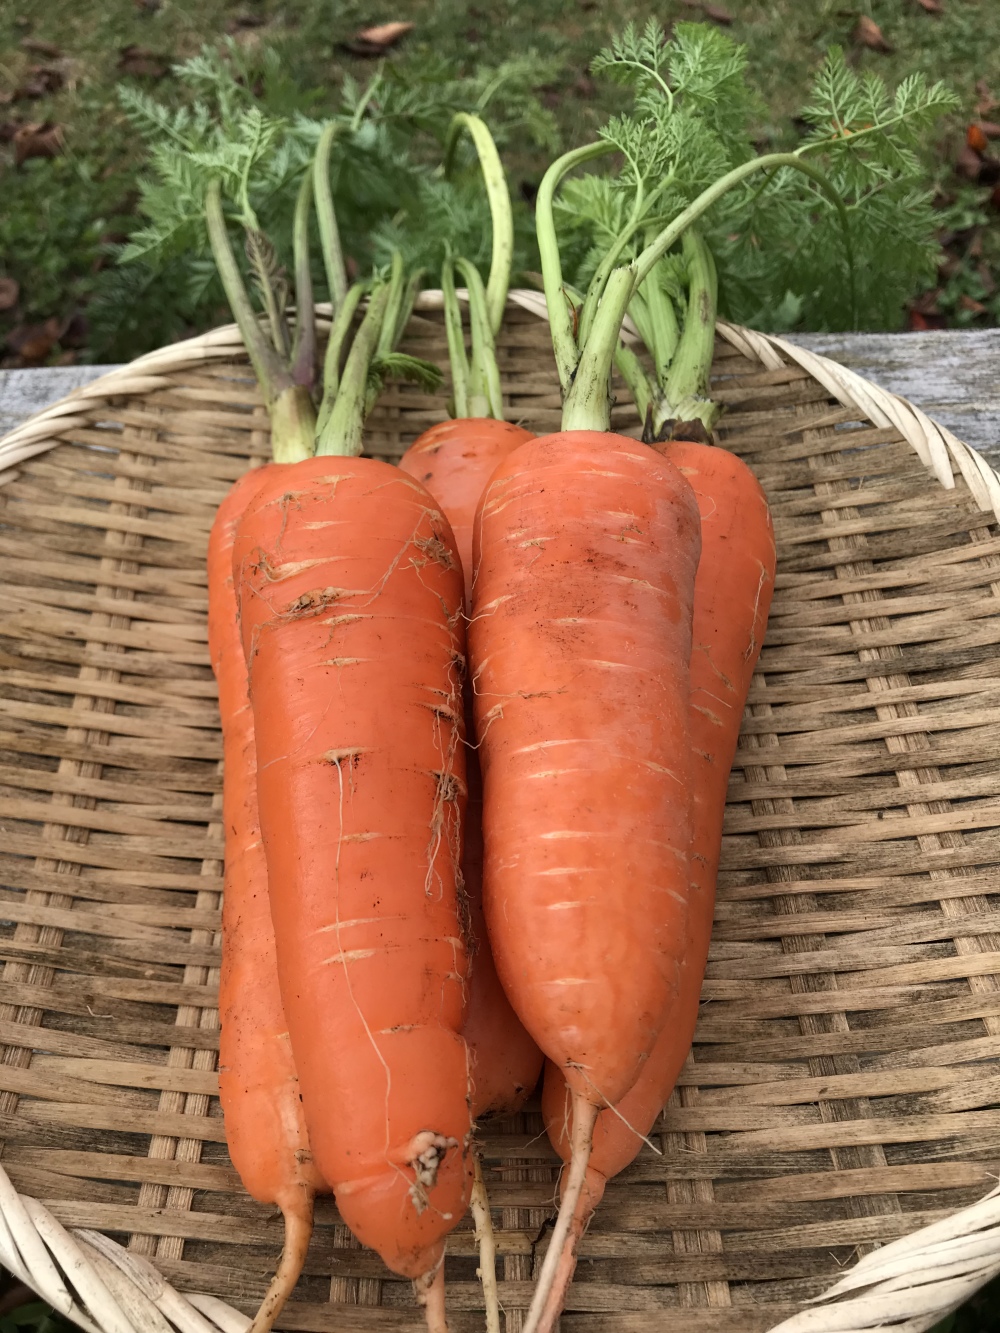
column 843, row 1086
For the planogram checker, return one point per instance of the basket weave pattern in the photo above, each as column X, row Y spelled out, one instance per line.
column 844, row 1084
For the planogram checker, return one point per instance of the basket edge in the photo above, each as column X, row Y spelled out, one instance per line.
column 935, row 445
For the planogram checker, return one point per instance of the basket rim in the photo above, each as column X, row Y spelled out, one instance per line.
column 913, row 1281
column 941, row 452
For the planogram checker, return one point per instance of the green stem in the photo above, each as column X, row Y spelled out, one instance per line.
column 272, row 375
column 274, row 309
column 685, row 390
column 664, row 330
column 634, row 374
column 595, row 290
column 339, row 330
column 329, row 232
column 564, row 343
column 342, row 433
column 501, row 213
column 456, row 340
column 410, row 293
column 641, row 317
column 672, row 233
column 485, row 393
column 587, row 406
column 304, row 342
column 394, row 306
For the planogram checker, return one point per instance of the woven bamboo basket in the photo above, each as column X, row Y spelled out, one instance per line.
column 838, row 1117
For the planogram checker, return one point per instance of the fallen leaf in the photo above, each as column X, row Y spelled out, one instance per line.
column 9, row 293
column 976, row 139
column 868, row 33
column 974, row 307
column 142, row 63
column 919, row 323
column 41, row 80
column 375, row 41
column 240, row 22
column 718, row 15
column 931, row 6
column 968, row 163
column 39, row 48
column 975, row 250
column 37, row 139
column 986, row 278
column 34, row 342
column 990, row 128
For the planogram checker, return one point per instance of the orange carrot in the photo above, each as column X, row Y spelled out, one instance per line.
column 350, row 599
column 732, row 596
column 258, row 1085
column 580, row 642
column 455, row 460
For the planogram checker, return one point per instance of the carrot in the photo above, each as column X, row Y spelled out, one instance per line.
column 732, row 596
column 350, row 598
column 455, row 460
column 266, row 1116
column 258, row 1085
column 580, row 643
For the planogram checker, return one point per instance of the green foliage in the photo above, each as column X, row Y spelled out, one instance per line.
column 34, row 1318
column 779, row 241
column 258, row 143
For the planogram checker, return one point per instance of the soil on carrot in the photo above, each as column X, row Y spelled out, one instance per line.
column 69, row 159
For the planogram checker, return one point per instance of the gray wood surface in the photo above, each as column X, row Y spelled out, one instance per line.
column 953, row 376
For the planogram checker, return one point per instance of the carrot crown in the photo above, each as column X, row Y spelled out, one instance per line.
column 284, row 380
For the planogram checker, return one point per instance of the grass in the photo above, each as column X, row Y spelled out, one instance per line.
column 61, row 213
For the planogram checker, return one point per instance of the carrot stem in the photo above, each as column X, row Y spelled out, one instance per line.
column 686, row 386
column 339, row 330
column 564, row 342
column 501, row 213
column 456, row 340
column 272, row 375
column 663, row 326
column 480, row 1205
column 485, row 392
column 587, row 405
column 304, row 342
column 329, row 232
column 298, row 1229
column 584, row 1120
column 342, row 431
